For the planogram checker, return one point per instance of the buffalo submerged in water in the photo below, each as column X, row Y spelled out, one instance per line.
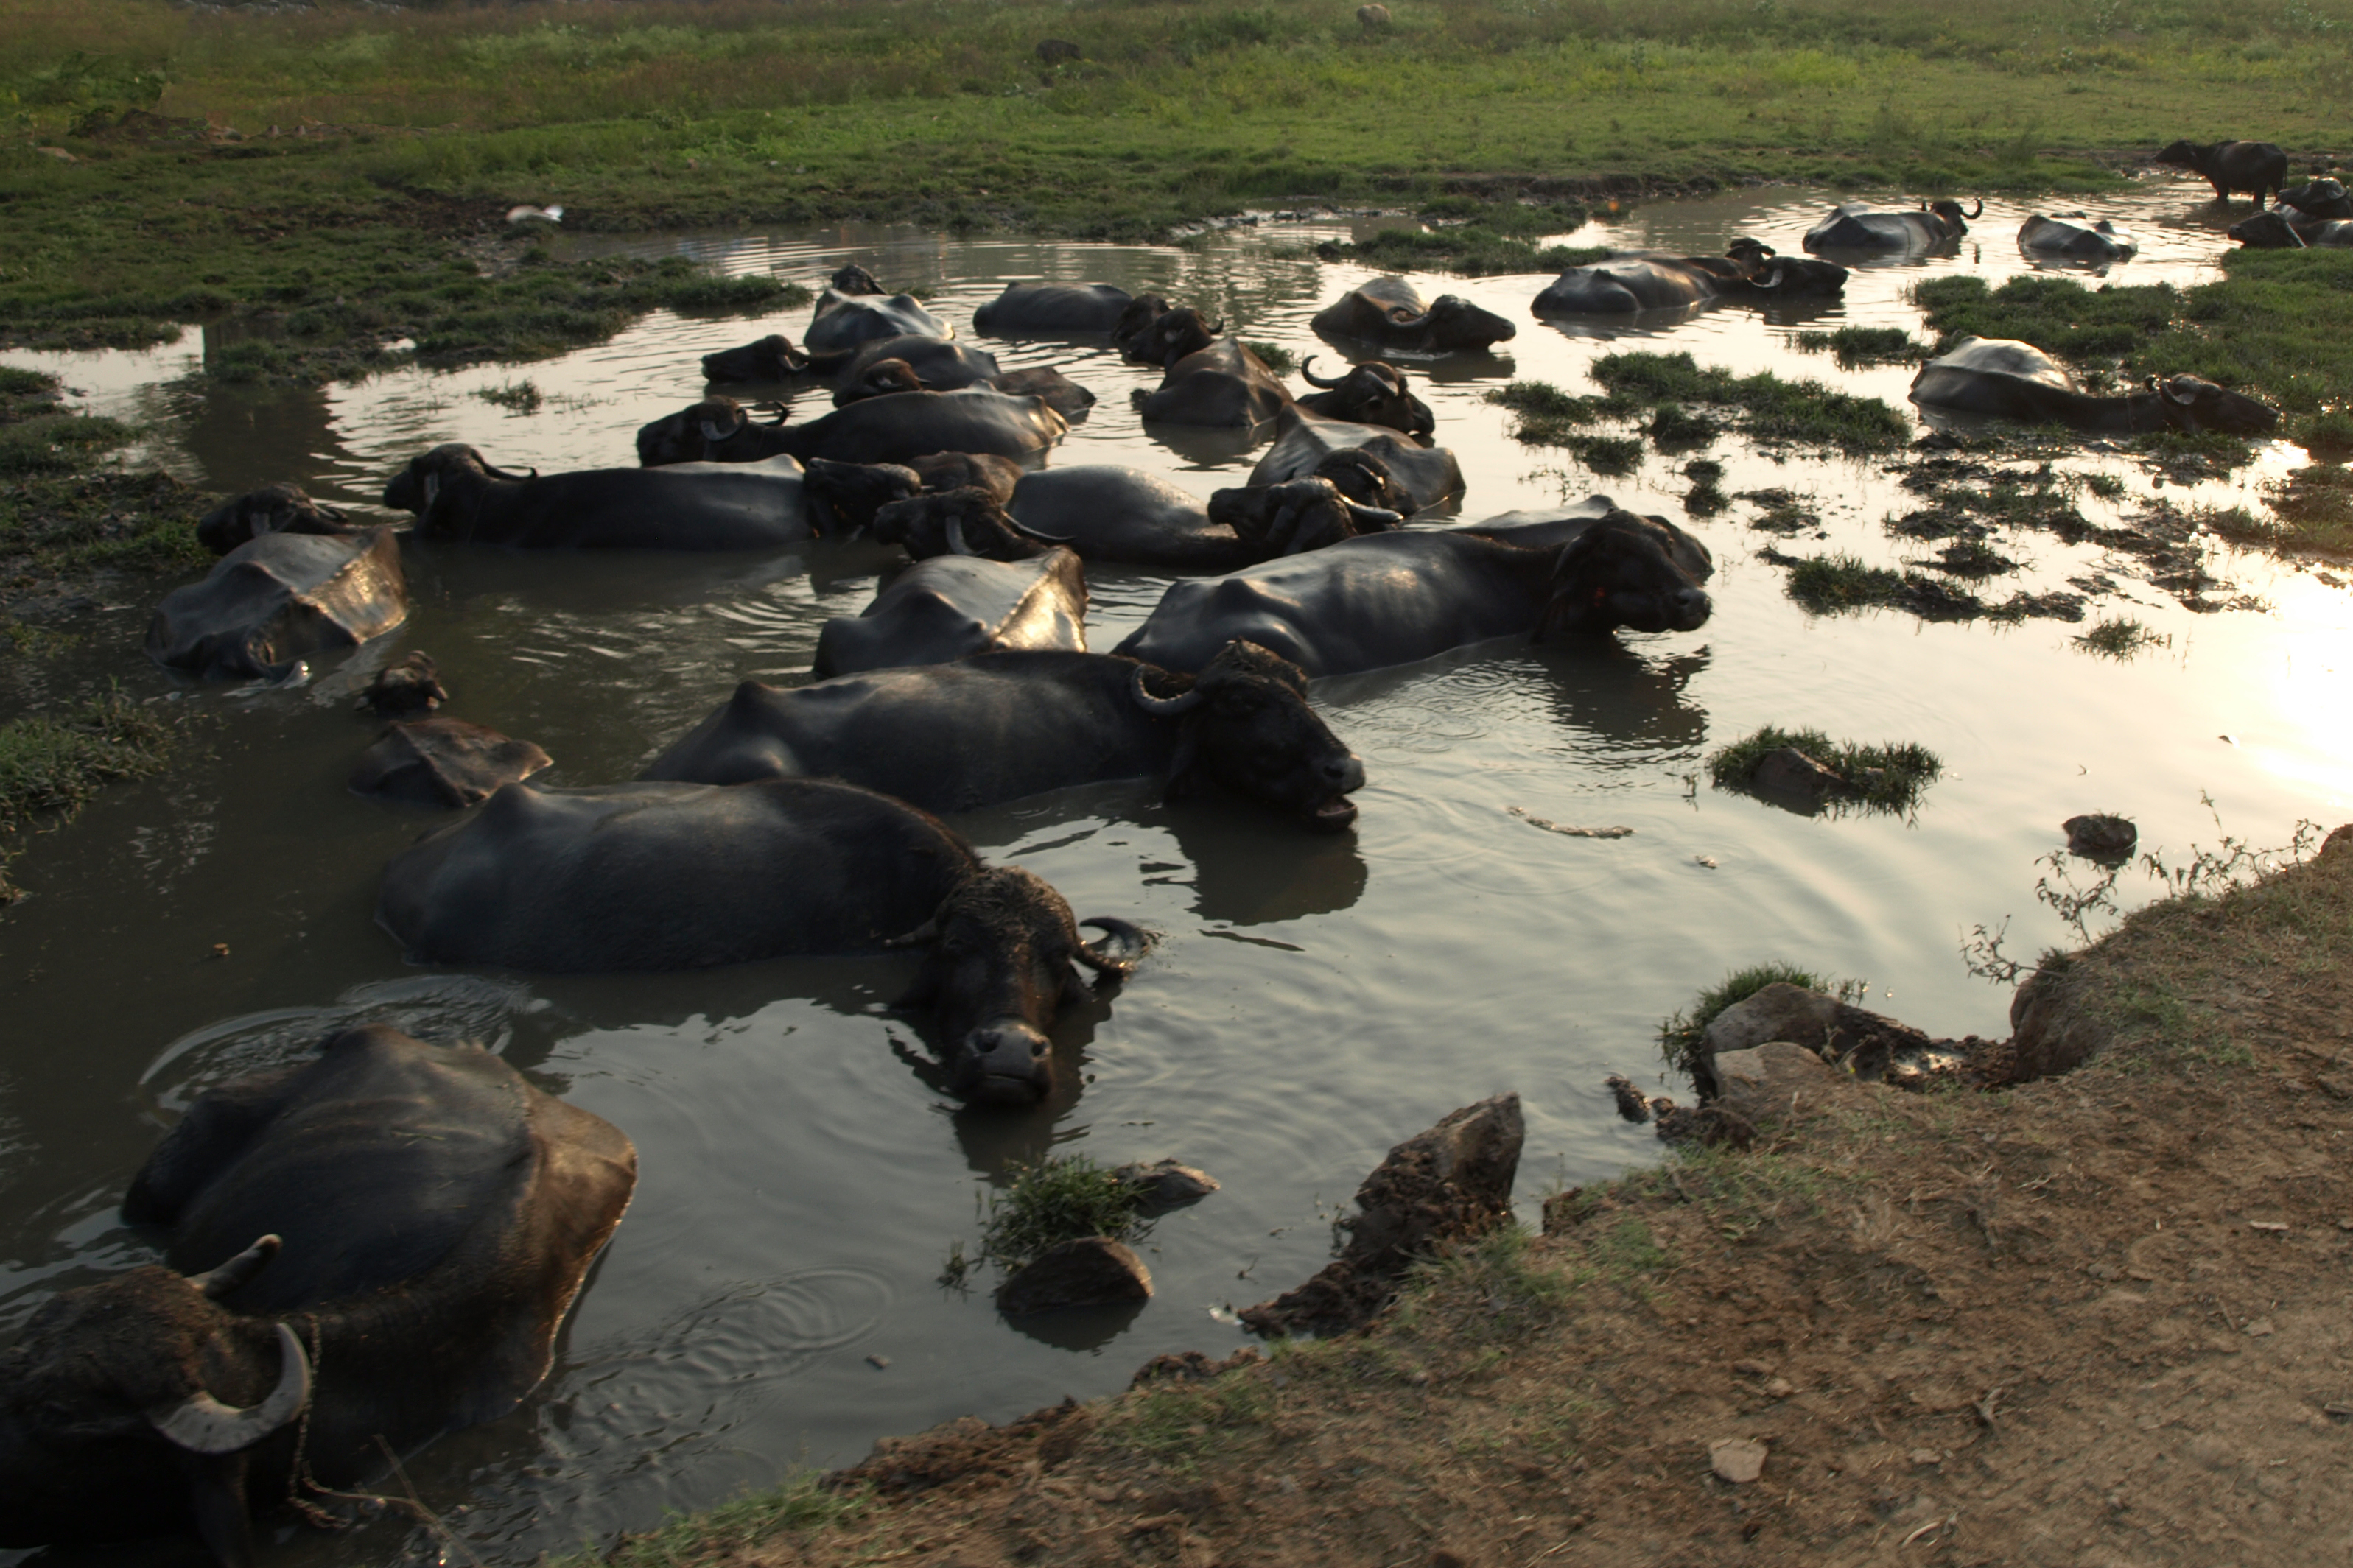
column 457, row 494
column 2016, row 379
column 897, row 428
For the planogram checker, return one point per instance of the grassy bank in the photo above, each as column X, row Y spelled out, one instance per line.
column 168, row 162
column 65, row 514
column 1933, row 1309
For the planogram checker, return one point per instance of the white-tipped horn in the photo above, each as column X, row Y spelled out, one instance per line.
column 956, row 543
column 203, row 1425
column 1164, row 707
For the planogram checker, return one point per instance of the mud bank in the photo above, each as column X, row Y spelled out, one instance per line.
column 2093, row 1318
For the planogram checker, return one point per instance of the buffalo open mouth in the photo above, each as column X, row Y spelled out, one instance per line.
column 1333, row 815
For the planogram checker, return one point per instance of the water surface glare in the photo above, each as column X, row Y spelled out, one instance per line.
column 1312, row 1000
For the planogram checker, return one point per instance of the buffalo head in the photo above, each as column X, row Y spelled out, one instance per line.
column 968, row 521
column 444, row 485
column 1296, row 516
column 1134, row 316
column 1374, row 392
column 2319, row 198
column 272, row 509
column 1955, row 219
column 1361, row 477
column 961, row 470
column 2185, row 154
column 880, row 379
column 2267, row 231
column 128, row 1405
column 997, row 970
column 773, row 358
column 1457, row 323
column 1800, row 275
column 1244, row 722
column 844, row 496
column 1627, row 571
column 1173, row 335
column 853, row 278
column 1747, row 253
column 2192, row 404
column 687, row 436
column 412, row 686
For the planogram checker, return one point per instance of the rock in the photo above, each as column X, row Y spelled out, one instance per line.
column 1092, row 1271
column 1166, row 1184
column 1446, row 1185
column 1631, row 1106
column 1711, row 1126
column 1739, row 1460
column 275, row 598
column 1767, row 1082
column 2100, row 837
column 1865, row 1043
column 443, row 763
column 1789, row 777
column 2050, row 1034
column 412, row 686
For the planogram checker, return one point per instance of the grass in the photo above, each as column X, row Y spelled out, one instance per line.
column 800, row 1505
column 50, row 768
column 1058, row 1200
column 1473, row 252
column 1275, row 357
column 2314, row 509
column 63, row 513
column 1831, row 585
column 1681, row 1033
column 1854, row 347
column 1765, row 406
column 1889, row 777
column 2119, row 637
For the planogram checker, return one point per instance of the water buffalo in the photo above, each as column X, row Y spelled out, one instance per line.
column 936, row 364
column 2274, row 230
column 853, row 310
column 1859, row 226
column 968, row 521
column 844, row 496
column 2018, row 381
column 771, row 359
column 1371, row 394
column 2069, row 240
column 1635, row 282
column 1223, row 387
column 408, row 1222
column 1118, row 514
column 1362, row 475
column 2253, row 167
column 273, row 599
column 1392, row 598
column 411, row 686
column 1052, row 311
column 954, row 606
column 1059, row 51
column 1391, row 313
column 1305, row 441
column 1172, row 335
column 888, row 429
column 444, row 763
column 2319, row 198
column 1373, row 18
column 1294, row 516
column 687, row 506
column 1001, row 726
column 272, row 509
column 1135, row 322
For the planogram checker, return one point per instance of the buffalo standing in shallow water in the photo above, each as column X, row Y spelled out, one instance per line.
column 2253, row 167
column 895, row 429
column 957, row 737
column 2018, row 381
column 1391, row 313
column 654, row 876
column 687, row 506
column 1392, row 598
column 425, row 1216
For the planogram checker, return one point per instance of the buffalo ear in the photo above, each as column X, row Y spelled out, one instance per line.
column 217, row 1499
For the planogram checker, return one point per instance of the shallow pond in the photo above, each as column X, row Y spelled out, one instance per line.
column 1312, row 1000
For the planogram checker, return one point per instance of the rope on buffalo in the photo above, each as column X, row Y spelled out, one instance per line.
column 300, row 1479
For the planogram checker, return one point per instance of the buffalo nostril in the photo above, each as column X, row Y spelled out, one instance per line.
column 1345, row 774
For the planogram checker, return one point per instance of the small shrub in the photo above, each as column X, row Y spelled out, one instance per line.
column 1055, row 1201
column 2314, row 507
column 2119, row 636
column 515, row 397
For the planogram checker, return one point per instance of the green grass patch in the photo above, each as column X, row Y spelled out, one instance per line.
column 2119, row 637
column 515, row 397
column 2313, row 508
column 1854, row 347
column 52, row 767
column 1681, row 1033
column 1275, row 357
column 1839, row 582
column 799, row 1506
column 1055, row 1201
column 1496, row 1286
column 1805, row 413
column 1675, row 428
column 1182, row 1424
column 1890, row 777
column 1468, row 252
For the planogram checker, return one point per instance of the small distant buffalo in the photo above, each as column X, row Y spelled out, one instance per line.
column 1859, row 226
column 272, row 509
column 2254, row 167
column 2075, row 238
column 770, row 359
column 1054, row 52
column 1373, row 18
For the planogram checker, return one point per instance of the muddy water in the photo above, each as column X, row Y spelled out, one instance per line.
column 1312, row 1000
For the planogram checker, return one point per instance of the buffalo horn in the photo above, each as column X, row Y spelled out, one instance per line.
column 1126, row 933
column 1307, row 374
column 331, row 514
column 1372, row 519
column 2180, row 394
column 203, row 1425
column 1162, row 707
column 957, row 543
column 218, row 1282
column 1981, row 209
column 498, row 473
column 928, row 932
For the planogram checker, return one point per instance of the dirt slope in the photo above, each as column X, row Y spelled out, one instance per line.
column 2097, row 1321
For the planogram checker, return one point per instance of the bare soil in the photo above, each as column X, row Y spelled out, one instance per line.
column 2097, row 1321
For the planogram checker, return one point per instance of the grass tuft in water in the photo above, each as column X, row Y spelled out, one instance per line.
column 1770, row 408
column 1673, row 427
column 516, row 396
column 2314, row 509
column 1679, row 1033
column 2120, row 637
column 1055, row 1201
column 1274, row 356
column 52, row 767
column 1470, row 251
column 1854, row 347
column 1889, row 776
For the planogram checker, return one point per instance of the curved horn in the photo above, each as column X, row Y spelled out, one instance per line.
column 1372, row 519
column 1025, row 531
column 1162, row 707
column 498, row 473
column 203, row 1425
column 432, row 489
column 1307, row 374
column 331, row 514
column 2179, row 394
column 928, row 932
column 957, row 543
column 1772, row 279
column 711, row 431
column 1980, row 209
column 1126, row 932
column 218, row 1282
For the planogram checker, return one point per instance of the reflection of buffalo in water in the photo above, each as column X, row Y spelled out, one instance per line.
column 1627, row 701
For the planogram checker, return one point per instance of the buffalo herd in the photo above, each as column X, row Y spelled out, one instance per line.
column 377, row 1243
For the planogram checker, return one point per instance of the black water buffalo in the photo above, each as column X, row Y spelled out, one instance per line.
column 1294, row 516
column 687, row 506
column 1370, row 394
column 951, row 606
column 890, row 430
column 844, row 496
column 2254, row 167
column 1118, row 514
column 937, row 365
column 1305, row 441
column 1392, row 598
column 272, row 509
column 2069, row 240
column 968, row 521
column 1390, row 312
column 444, row 763
column 411, row 686
column 2274, row 230
column 1859, row 226
column 274, row 599
column 2319, row 198
column 853, row 310
column 411, row 1221
column 1052, row 311
column 1635, row 282
column 1173, row 334
column 1222, row 386
column 2018, row 381
column 1362, row 475
column 772, row 358
column 1135, row 322
column 957, row 737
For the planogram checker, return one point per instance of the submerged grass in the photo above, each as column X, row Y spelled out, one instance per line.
column 1889, row 776
column 62, row 512
column 1470, row 252
column 50, row 768
column 1854, row 347
column 1767, row 407
column 1058, row 1200
column 2312, row 509
column 2119, row 637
